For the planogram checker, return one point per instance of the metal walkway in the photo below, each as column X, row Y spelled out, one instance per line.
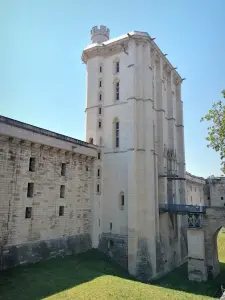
column 182, row 208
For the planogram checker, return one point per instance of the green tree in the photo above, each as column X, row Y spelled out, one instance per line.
column 216, row 132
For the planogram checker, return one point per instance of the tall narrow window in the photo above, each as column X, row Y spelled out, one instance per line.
column 63, row 169
column 98, row 173
column 30, row 190
column 98, row 188
column 121, row 200
column 91, row 140
column 117, row 67
column 99, row 110
column 110, row 226
column 99, row 155
column 32, row 164
column 100, row 69
column 61, row 210
column 99, row 124
column 117, row 90
column 28, row 212
column 100, row 96
column 100, row 83
column 62, row 191
column 117, row 131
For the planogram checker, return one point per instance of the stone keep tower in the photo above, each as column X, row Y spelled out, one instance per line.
column 134, row 113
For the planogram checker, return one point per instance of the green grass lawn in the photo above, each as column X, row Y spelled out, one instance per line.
column 91, row 276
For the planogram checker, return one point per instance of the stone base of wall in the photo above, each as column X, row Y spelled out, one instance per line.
column 197, row 270
column 37, row 251
column 115, row 246
column 144, row 266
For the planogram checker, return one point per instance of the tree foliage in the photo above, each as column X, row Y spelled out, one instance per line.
column 216, row 132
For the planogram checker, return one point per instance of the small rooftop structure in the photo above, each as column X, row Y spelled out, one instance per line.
column 99, row 35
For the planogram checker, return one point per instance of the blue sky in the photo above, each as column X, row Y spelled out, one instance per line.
column 42, row 78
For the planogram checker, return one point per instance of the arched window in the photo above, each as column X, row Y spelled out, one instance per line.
column 121, row 200
column 116, row 133
column 91, row 140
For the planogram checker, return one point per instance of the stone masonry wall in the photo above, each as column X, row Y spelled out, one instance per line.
column 70, row 226
column 116, row 246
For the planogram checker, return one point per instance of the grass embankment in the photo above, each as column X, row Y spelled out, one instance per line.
column 91, row 276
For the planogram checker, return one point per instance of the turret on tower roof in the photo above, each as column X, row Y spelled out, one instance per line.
column 99, row 35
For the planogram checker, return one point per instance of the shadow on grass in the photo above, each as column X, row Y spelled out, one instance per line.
column 178, row 280
column 50, row 277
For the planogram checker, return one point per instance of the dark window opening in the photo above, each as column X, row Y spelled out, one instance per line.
column 117, row 91
column 30, row 189
column 100, row 97
column 99, row 155
column 117, row 67
column 98, row 173
column 110, row 244
column 91, row 140
column 221, row 198
column 62, row 191
column 61, row 211
column 122, row 200
column 98, row 188
column 117, row 134
column 100, row 83
column 110, row 226
column 32, row 164
column 99, row 124
column 100, row 110
column 28, row 212
column 86, row 168
column 208, row 198
column 63, row 169
column 100, row 69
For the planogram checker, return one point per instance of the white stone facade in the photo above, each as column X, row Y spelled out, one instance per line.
column 130, row 82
